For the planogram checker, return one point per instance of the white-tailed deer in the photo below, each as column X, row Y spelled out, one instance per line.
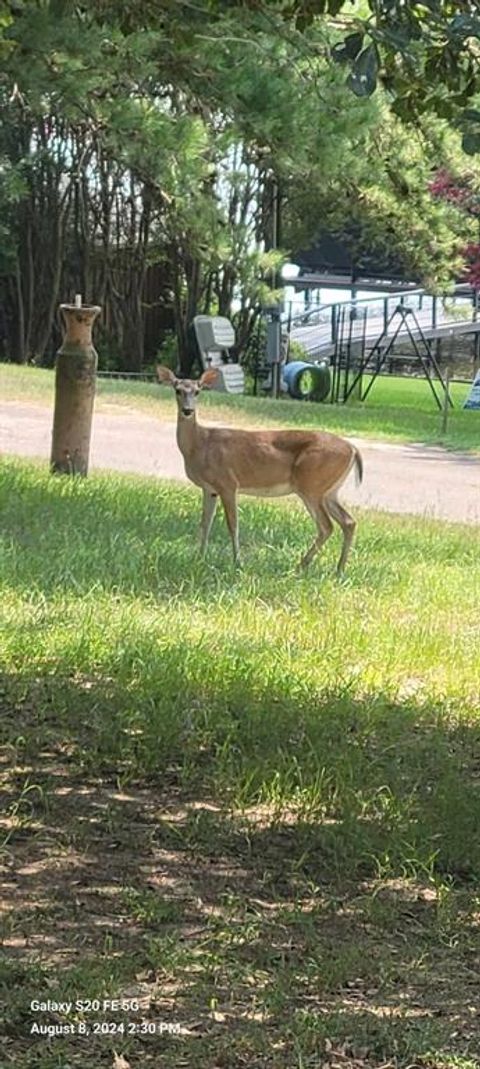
column 226, row 461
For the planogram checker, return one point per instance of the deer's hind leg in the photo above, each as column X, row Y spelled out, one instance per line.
column 208, row 513
column 324, row 527
column 347, row 524
column 229, row 502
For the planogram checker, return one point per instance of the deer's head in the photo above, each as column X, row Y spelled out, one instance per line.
column 187, row 390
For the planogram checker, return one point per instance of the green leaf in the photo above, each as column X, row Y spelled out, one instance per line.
column 347, row 49
column 471, row 144
column 363, row 77
column 472, row 114
column 397, row 38
column 465, row 26
column 353, row 44
column 443, row 107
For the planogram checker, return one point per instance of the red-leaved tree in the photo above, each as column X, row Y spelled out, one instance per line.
column 460, row 192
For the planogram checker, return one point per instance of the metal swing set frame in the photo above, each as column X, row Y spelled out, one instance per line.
column 347, row 373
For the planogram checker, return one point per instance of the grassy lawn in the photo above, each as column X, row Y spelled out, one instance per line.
column 401, row 410
column 248, row 800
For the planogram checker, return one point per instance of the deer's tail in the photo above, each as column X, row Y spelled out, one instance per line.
column 358, row 462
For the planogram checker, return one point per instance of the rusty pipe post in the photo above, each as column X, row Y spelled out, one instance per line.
column 75, row 374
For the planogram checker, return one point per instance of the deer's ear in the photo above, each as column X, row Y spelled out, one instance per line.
column 164, row 374
column 208, row 378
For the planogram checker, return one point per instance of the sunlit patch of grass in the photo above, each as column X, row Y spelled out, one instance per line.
column 353, row 700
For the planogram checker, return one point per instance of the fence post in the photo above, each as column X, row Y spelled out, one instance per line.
column 446, row 403
column 333, row 323
column 434, row 312
column 75, row 376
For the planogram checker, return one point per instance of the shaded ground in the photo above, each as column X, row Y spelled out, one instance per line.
column 410, row 479
column 232, row 934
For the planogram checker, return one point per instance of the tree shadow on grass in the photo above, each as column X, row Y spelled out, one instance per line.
column 381, row 777
column 339, row 907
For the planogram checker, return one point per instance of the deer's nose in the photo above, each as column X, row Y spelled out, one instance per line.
column 187, row 411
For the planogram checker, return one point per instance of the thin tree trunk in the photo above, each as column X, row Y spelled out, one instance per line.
column 19, row 352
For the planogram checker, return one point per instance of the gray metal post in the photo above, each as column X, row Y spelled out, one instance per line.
column 434, row 312
column 446, row 404
column 274, row 348
column 333, row 323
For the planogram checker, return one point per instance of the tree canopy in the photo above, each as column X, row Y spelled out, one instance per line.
column 155, row 134
column 425, row 54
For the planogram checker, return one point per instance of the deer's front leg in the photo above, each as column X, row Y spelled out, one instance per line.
column 229, row 502
column 208, row 513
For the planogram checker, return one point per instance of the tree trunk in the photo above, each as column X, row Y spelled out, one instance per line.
column 18, row 350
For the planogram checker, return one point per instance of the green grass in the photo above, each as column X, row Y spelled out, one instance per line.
column 247, row 798
column 398, row 410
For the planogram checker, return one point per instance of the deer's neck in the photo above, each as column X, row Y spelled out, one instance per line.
column 188, row 433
